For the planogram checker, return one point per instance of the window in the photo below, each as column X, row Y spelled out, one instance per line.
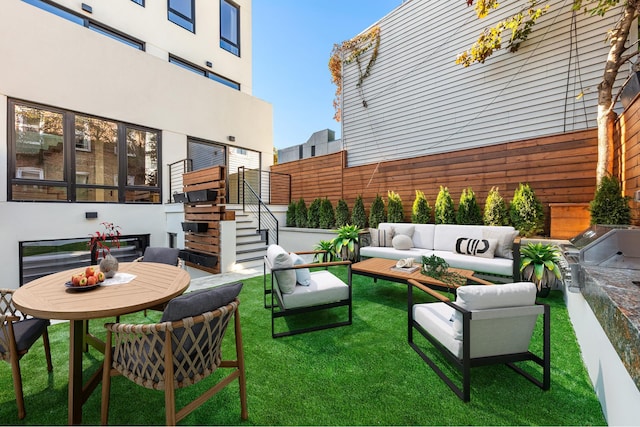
column 201, row 71
column 88, row 23
column 205, row 154
column 313, row 151
column 183, row 13
column 50, row 161
column 230, row 27
column 300, row 152
column 140, row 2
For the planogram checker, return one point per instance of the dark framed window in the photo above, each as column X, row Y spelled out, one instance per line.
column 230, row 27
column 88, row 23
column 203, row 72
column 140, row 2
column 313, row 151
column 205, row 154
column 183, row 13
column 60, row 155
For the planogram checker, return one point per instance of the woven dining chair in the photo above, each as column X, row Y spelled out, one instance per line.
column 175, row 354
column 17, row 334
column 163, row 256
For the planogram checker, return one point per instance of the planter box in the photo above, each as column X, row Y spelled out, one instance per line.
column 180, row 198
column 203, row 259
column 202, row 195
column 195, row 227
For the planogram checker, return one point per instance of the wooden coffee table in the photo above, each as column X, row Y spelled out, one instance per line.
column 381, row 268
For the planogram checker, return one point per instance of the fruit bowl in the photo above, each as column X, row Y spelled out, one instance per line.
column 77, row 288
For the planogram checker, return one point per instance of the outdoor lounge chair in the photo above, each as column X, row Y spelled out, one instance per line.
column 485, row 325
column 181, row 350
column 295, row 290
column 17, row 334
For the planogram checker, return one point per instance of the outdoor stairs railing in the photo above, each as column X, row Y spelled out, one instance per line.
column 267, row 227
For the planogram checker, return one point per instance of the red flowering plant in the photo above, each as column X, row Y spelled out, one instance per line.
column 99, row 239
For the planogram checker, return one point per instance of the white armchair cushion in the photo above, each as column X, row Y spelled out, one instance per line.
column 279, row 258
column 324, row 288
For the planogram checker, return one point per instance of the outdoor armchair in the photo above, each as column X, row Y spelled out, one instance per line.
column 17, row 334
column 181, row 350
column 295, row 290
column 485, row 325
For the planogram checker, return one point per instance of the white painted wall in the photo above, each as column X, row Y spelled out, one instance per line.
column 51, row 61
column 420, row 102
column 618, row 394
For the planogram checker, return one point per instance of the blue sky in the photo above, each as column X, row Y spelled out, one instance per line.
column 292, row 41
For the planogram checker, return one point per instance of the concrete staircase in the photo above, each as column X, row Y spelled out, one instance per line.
column 251, row 246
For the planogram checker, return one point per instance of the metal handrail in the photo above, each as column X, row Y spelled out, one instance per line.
column 266, row 219
column 176, row 169
column 264, row 180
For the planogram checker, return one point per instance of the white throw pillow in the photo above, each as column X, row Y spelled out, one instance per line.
column 484, row 248
column 279, row 258
column 381, row 238
column 505, row 241
column 303, row 275
column 389, row 231
column 406, row 229
column 482, row 297
column 402, row 242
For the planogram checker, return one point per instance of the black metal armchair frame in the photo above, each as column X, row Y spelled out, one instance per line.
column 278, row 307
column 467, row 362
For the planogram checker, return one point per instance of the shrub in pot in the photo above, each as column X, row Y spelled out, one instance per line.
column 358, row 215
column 345, row 242
column 525, row 211
column 495, row 209
column 539, row 264
column 444, row 211
column 395, row 212
column 609, row 206
column 329, row 253
column 469, row 212
column 421, row 211
column 342, row 213
column 376, row 215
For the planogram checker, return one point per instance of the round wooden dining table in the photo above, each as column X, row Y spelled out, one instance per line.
column 151, row 285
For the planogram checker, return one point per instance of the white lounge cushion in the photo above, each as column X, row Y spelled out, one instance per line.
column 279, row 258
column 423, row 236
column 402, row 228
column 501, row 266
column 390, row 253
column 505, row 238
column 324, row 288
column 436, row 318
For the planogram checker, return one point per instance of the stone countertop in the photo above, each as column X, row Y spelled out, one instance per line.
column 615, row 301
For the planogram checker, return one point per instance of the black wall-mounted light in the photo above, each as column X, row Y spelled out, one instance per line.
column 91, row 215
column 231, row 138
column 209, row 64
column 87, row 8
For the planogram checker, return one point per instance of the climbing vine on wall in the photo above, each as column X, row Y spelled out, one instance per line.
column 347, row 52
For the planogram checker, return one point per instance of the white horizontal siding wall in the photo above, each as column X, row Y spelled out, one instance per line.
column 420, row 102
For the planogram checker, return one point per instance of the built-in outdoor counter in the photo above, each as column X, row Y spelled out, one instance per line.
column 615, row 301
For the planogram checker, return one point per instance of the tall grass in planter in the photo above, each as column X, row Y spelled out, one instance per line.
column 395, row 212
column 526, row 212
column 313, row 214
column 376, row 215
column 301, row 214
column 342, row 213
column 468, row 210
column 445, row 212
column 327, row 215
column 609, row 206
column 495, row 209
column 358, row 215
column 291, row 214
column 420, row 211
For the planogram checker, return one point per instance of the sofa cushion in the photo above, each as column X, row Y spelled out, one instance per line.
column 505, row 238
column 279, row 258
column 195, row 303
column 303, row 275
column 381, row 237
column 484, row 248
column 482, row 297
column 324, row 288
column 499, row 266
column 423, row 236
column 401, row 228
column 402, row 242
column 390, row 231
column 391, row 253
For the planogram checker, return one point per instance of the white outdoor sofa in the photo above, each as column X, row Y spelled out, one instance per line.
column 490, row 251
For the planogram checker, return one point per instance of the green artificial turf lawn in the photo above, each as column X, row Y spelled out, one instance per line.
column 362, row 374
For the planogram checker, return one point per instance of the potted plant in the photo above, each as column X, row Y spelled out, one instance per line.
column 539, row 264
column 98, row 245
column 345, row 242
column 328, row 251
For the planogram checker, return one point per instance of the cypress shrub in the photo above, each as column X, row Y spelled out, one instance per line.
column 468, row 210
column 609, row 206
column 495, row 209
column 420, row 211
column 358, row 215
column 313, row 214
column 291, row 214
column 526, row 212
column 342, row 213
column 444, row 211
column 327, row 215
column 394, row 207
column 376, row 215
column 301, row 214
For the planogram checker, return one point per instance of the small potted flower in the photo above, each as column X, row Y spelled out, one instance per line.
column 98, row 245
column 539, row 264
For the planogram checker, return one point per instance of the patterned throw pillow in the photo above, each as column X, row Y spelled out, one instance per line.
column 381, row 237
column 484, row 248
